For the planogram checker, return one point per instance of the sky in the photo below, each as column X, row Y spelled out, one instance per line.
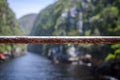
column 23, row 7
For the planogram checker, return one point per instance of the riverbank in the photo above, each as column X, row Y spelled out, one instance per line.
column 4, row 56
column 35, row 67
column 34, row 63
column 101, row 69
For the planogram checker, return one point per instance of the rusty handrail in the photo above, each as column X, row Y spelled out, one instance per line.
column 60, row 39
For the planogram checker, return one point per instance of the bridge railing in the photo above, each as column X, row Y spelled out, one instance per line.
column 60, row 39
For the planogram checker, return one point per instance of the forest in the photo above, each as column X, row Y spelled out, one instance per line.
column 79, row 18
column 8, row 27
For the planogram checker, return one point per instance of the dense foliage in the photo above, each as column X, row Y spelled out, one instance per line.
column 79, row 18
column 8, row 25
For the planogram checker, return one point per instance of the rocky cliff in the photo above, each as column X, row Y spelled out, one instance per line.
column 78, row 18
column 8, row 25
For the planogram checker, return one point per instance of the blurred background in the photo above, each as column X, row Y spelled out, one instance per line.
column 61, row 18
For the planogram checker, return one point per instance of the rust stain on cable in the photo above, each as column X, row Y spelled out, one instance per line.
column 60, row 39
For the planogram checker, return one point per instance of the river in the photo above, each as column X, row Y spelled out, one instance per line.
column 35, row 67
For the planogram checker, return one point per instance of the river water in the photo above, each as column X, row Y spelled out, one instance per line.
column 35, row 67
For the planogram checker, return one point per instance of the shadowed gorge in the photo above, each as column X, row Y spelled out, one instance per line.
column 98, row 60
column 78, row 18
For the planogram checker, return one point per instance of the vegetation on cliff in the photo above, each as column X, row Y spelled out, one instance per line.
column 78, row 18
column 8, row 25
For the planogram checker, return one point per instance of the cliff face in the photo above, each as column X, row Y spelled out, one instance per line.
column 76, row 18
column 8, row 22
column 26, row 23
column 8, row 25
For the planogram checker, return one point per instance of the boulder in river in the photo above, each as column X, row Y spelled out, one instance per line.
column 110, row 68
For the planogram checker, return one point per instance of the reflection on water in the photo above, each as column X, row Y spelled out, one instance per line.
column 34, row 67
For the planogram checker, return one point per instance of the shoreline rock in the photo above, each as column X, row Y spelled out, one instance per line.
column 13, row 54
